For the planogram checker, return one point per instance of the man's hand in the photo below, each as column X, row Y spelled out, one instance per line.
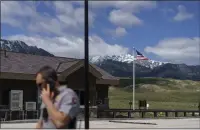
column 46, row 95
column 58, row 118
column 39, row 124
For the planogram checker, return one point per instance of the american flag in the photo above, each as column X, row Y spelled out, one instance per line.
column 139, row 56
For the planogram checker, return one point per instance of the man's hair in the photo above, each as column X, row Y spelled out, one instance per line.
column 48, row 72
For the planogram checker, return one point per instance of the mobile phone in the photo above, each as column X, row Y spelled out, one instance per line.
column 51, row 84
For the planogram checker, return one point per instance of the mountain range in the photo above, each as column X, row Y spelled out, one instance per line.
column 22, row 47
column 120, row 66
column 127, row 58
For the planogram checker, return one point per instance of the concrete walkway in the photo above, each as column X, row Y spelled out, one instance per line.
column 191, row 123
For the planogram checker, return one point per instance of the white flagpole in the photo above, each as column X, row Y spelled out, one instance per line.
column 133, row 104
column 199, row 53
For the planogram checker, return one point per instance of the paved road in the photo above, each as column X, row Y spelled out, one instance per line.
column 134, row 124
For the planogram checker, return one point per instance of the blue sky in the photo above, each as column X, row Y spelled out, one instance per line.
column 164, row 31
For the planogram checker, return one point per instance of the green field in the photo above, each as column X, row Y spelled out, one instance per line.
column 159, row 93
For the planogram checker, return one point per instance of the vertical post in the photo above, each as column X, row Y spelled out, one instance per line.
column 155, row 114
column 193, row 113
column 166, row 114
column 86, row 64
column 176, row 114
column 133, row 104
column 143, row 113
column 185, row 114
column 199, row 106
column 0, row 119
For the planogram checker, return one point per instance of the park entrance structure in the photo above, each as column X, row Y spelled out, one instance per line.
column 18, row 75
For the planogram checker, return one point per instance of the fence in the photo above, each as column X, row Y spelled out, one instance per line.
column 142, row 113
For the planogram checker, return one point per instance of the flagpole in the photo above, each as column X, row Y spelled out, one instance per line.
column 199, row 53
column 133, row 78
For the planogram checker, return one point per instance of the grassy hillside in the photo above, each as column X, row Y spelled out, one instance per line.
column 160, row 93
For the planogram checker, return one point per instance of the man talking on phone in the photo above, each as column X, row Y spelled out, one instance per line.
column 60, row 105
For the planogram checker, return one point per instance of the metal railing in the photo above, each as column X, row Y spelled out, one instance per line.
column 142, row 113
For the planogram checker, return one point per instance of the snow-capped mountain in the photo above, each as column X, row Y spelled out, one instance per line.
column 127, row 58
column 120, row 66
column 20, row 46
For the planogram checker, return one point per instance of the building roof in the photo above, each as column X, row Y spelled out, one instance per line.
column 29, row 64
column 13, row 62
column 105, row 75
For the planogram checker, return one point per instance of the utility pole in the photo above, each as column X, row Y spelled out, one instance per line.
column 86, row 61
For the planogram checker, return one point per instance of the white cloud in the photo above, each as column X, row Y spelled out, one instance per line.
column 25, row 15
column 118, row 32
column 184, row 50
column 124, row 8
column 182, row 14
column 123, row 18
column 133, row 6
column 63, row 7
column 124, row 12
column 67, row 16
column 13, row 11
column 66, row 24
column 72, row 46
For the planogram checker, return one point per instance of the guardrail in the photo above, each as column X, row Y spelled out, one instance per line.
column 143, row 112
